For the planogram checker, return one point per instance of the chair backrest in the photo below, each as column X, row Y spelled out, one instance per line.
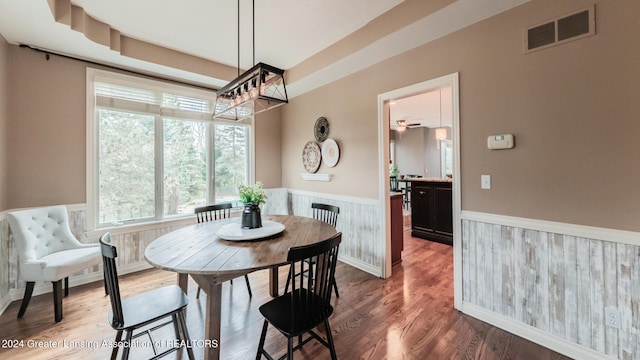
column 213, row 212
column 320, row 259
column 394, row 183
column 109, row 255
column 326, row 213
column 277, row 202
column 41, row 231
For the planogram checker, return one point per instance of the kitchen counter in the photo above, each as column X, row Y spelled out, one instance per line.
column 428, row 180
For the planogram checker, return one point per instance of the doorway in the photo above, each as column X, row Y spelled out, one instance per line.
column 384, row 155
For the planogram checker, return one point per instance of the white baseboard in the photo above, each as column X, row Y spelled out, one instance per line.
column 5, row 301
column 358, row 264
column 532, row 334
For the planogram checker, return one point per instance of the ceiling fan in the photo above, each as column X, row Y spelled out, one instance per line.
column 402, row 125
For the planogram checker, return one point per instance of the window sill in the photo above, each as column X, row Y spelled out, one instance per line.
column 151, row 225
column 137, row 227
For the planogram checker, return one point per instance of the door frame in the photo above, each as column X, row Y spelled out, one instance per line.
column 451, row 80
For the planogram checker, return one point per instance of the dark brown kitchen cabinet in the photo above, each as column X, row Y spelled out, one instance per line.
column 432, row 211
column 397, row 241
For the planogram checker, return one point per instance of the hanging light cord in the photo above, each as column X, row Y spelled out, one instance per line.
column 253, row 12
column 253, row 26
column 440, row 107
column 238, row 37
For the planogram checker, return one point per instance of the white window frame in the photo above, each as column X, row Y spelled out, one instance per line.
column 96, row 75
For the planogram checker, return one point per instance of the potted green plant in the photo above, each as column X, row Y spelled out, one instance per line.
column 393, row 170
column 252, row 197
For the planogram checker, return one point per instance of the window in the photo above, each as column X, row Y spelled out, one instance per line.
column 155, row 154
column 446, row 158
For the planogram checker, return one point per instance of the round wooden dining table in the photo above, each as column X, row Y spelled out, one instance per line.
column 198, row 251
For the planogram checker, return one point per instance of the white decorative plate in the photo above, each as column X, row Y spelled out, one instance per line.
column 311, row 156
column 235, row 232
column 330, row 152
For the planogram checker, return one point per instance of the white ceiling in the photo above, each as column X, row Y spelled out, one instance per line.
column 288, row 32
column 431, row 109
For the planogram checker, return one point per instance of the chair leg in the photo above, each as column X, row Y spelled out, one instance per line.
column 114, row 352
column 57, row 299
column 198, row 293
column 185, row 335
column 66, row 286
column 262, row 337
column 28, row 291
column 335, row 287
column 176, row 326
column 290, row 348
column 246, row 278
column 332, row 348
column 127, row 345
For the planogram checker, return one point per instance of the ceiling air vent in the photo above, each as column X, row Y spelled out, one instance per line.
column 573, row 26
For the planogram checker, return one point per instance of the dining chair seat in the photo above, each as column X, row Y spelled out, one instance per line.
column 146, row 308
column 60, row 264
column 298, row 316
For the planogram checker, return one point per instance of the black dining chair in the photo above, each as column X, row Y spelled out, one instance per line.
column 216, row 212
column 393, row 183
column 213, row 212
column 309, row 303
column 328, row 214
column 144, row 309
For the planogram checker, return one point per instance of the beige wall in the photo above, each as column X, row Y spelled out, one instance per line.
column 46, row 133
column 46, row 130
column 572, row 109
column 4, row 119
column 353, row 124
column 410, row 151
column 268, row 142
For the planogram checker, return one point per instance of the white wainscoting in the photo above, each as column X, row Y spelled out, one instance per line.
column 359, row 223
column 535, row 277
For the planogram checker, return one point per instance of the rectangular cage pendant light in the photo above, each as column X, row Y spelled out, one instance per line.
column 259, row 89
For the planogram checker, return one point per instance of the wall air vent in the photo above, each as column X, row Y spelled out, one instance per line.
column 573, row 26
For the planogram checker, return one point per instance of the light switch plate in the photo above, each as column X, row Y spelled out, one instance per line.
column 485, row 181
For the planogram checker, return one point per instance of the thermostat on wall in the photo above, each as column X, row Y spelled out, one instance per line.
column 503, row 141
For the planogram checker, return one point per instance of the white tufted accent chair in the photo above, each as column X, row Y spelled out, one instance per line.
column 277, row 202
column 48, row 251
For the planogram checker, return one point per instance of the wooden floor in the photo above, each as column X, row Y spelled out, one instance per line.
column 409, row 316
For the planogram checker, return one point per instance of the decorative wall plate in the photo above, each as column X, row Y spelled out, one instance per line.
column 321, row 129
column 311, row 157
column 330, row 152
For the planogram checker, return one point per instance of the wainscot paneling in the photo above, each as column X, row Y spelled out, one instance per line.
column 4, row 260
column 130, row 243
column 359, row 222
column 560, row 284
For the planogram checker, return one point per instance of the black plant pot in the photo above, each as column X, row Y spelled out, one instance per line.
column 251, row 218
